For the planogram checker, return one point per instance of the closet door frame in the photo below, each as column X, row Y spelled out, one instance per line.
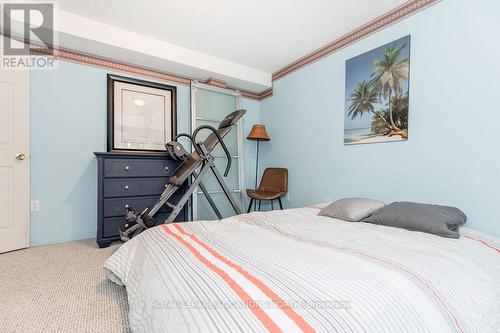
column 239, row 128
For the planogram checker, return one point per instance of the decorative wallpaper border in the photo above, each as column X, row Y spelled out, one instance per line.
column 244, row 93
column 395, row 15
column 258, row 96
column 216, row 83
column 101, row 62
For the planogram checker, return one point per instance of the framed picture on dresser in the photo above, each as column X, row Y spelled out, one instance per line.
column 141, row 115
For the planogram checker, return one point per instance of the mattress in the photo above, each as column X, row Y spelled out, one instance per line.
column 294, row 271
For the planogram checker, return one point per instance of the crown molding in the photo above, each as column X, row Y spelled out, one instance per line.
column 257, row 96
column 216, row 83
column 87, row 59
column 405, row 10
column 110, row 64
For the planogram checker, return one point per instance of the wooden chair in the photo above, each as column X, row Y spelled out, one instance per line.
column 273, row 185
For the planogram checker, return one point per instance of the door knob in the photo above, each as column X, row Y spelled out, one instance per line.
column 20, row 156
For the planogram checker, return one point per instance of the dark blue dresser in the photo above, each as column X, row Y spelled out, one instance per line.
column 130, row 180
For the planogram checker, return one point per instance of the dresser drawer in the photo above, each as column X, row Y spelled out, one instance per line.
column 133, row 187
column 136, row 180
column 138, row 168
column 117, row 206
column 113, row 224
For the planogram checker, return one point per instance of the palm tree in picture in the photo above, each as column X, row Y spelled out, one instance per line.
column 389, row 77
column 400, row 115
column 380, row 123
column 362, row 99
column 399, row 106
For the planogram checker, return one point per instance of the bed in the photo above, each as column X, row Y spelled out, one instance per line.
column 295, row 271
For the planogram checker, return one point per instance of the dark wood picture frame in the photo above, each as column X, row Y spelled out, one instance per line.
column 111, row 78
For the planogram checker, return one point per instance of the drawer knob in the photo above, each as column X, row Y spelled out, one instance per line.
column 166, row 168
column 166, row 185
column 126, row 187
column 127, row 168
column 126, row 206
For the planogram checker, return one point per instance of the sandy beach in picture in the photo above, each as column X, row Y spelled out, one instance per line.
column 364, row 135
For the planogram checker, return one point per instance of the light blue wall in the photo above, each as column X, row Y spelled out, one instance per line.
column 68, row 124
column 452, row 155
column 450, row 158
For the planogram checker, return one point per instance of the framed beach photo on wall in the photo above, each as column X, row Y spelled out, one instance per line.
column 377, row 94
column 141, row 115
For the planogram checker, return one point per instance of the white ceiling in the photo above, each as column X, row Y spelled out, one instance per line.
column 263, row 34
column 240, row 41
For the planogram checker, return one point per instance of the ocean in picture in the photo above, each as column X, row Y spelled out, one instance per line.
column 377, row 94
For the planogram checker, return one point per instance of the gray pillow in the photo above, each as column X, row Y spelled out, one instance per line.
column 438, row 220
column 351, row 209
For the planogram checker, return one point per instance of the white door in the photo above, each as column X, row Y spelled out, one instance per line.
column 14, row 159
column 209, row 106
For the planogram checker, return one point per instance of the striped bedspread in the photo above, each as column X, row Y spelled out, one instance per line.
column 293, row 271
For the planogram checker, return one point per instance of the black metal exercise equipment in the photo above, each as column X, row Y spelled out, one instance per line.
column 200, row 158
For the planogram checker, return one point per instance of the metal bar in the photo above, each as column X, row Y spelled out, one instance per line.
column 187, row 194
column 224, row 156
column 219, row 192
column 209, row 198
column 166, row 194
column 250, row 205
column 208, row 120
column 223, row 185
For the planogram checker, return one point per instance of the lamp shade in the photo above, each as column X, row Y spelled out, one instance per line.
column 258, row 132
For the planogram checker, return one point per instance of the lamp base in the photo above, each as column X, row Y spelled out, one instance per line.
column 256, row 172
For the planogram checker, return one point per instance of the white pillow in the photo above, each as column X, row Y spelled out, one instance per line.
column 351, row 209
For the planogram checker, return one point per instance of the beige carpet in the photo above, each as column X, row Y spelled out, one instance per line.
column 60, row 288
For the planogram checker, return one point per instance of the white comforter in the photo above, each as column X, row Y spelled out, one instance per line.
column 295, row 271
